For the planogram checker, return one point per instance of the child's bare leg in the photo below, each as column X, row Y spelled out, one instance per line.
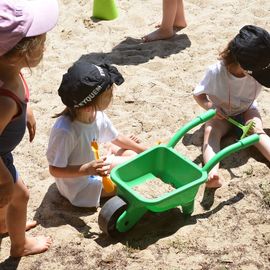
column 16, row 220
column 215, row 129
column 180, row 20
column 121, row 159
column 264, row 143
column 119, row 155
column 120, row 152
column 165, row 30
column 3, row 226
column 210, row 147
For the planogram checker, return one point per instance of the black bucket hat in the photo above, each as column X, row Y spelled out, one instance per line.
column 84, row 81
column 251, row 49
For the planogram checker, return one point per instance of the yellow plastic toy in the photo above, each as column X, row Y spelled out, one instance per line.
column 108, row 184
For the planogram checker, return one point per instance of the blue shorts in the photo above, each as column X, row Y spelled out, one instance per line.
column 8, row 161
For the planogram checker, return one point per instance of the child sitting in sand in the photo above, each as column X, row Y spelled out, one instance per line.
column 173, row 20
column 23, row 27
column 86, row 90
column 232, row 86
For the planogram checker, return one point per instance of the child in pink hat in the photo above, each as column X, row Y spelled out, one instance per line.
column 23, row 27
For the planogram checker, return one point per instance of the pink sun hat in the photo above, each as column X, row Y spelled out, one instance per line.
column 25, row 18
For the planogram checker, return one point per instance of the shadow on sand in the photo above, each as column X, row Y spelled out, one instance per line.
column 133, row 51
column 160, row 225
column 10, row 263
column 55, row 211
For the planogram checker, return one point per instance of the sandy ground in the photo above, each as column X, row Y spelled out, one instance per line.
column 229, row 229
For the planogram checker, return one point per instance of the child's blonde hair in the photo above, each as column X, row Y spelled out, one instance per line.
column 24, row 48
column 72, row 112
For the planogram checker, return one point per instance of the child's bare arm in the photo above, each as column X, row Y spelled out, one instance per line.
column 31, row 123
column 203, row 101
column 95, row 167
column 129, row 144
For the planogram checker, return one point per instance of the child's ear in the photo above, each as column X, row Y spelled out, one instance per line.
column 88, row 108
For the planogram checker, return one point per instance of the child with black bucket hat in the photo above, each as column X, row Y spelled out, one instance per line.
column 231, row 86
column 86, row 90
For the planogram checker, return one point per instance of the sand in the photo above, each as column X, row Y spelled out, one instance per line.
column 230, row 228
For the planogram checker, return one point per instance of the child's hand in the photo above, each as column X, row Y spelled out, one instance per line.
column 97, row 167
column 31, row 124
column 6, row 191
column 219, row 114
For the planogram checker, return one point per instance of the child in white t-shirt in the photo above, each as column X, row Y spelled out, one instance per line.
column 86, row 90
column 231, row 86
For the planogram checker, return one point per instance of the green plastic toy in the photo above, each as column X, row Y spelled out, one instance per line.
column 105, row 9
column 122, row 212
column 245, row 128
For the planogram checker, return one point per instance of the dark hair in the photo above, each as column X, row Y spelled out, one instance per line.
column 227, row 56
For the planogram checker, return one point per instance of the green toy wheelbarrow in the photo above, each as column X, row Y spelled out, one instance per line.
column 120, row 213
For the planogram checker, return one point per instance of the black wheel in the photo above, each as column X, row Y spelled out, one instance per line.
column 109, row 214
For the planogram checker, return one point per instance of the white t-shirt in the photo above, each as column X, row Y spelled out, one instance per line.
column 70, row 144
column 231, row 94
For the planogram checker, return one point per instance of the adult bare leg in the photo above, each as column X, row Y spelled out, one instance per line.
column 165, row 30
column 180, row 20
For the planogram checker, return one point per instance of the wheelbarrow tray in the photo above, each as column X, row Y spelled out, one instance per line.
column 170, row 167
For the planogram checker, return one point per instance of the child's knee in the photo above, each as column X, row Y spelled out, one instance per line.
column 21, row 196
column 210, row 130
column 258, row 129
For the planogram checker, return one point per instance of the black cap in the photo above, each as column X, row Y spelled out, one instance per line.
column 251, row 49
column 84, row 81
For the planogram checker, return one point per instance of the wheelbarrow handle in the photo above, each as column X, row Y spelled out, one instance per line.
column 241, row 144
column 195, row 122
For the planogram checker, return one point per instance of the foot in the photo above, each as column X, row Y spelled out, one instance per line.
column 29, row 225
column 159, row 34
column 33, row 245
column 176, row 27
column 213, row 181
column 134, row 138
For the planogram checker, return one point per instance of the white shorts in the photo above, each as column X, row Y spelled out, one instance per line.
column 89, row 196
